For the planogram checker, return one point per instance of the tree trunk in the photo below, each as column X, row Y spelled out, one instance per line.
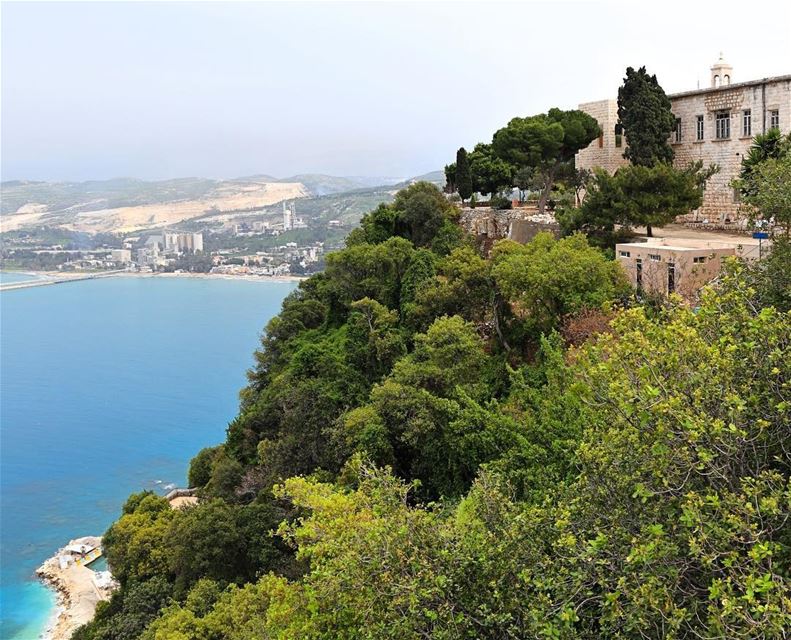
column 550, row 179
column 648, row 231
column 497, row 328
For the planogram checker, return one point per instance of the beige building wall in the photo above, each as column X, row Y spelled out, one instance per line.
column 761, row 98
column 607, row 151
column 660, row 267
column 121, row 255
column 749, row 107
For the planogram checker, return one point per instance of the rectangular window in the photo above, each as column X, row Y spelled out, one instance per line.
column 723, row 128
column 747, row 123
column 625, row 254
column 601, row 141
column 678, row 130
column 699, row 259
column 774, row 119
column 700, row 128
column 653, row 257
column 671, row 277
column 618, row 140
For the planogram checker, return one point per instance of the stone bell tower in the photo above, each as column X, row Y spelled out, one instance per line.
column 721, row 73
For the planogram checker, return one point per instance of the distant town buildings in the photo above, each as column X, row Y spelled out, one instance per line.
column 121, row 256
column 715, row 124
column 290, row 221
column 159, row 250
column 183, row 242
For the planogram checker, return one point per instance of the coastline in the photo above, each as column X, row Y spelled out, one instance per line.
column 77, row 590
column 216, row 276
column 83, row 493
column 42, row 278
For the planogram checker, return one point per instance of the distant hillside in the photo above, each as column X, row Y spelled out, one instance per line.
column 321, row 185
column 129, row 204
column 126, row 204
column 100, row 194
column 435, row 177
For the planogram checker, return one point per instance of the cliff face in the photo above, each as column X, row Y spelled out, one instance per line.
column 521, row 224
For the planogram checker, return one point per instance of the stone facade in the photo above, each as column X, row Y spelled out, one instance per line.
column 606, row 151
column 714, row 125
column 743, row 110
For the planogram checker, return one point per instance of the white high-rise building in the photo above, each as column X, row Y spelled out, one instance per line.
column 288, row 218
column 197, row 242
column 191, row 242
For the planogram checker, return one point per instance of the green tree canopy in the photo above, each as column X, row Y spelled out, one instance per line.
column 545, row 142
column 450, row 177
column 419, row 213
column 771, row 145
column 771, row 191
column 631, row 480
column 638, row 195
column 547, row 279
column 490, row 174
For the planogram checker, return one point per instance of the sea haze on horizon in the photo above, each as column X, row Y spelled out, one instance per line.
column 162, row 90
column 107, row 387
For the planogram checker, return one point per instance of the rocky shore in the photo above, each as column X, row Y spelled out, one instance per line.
column 79, row 589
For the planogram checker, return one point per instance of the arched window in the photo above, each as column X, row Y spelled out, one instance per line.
column 726, row 79
column 716, row 81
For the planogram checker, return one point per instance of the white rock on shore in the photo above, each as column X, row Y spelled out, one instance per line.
column 79, row 590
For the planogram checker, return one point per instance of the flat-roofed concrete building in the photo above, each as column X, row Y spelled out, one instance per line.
column 674, row 265
column 122, row 256
column 715, row 125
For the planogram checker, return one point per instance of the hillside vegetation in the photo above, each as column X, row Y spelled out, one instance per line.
column 127, row 205
column 437, row 443
column 120, row 206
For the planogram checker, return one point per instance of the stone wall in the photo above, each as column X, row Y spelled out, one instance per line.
column 605, row 152
column 721, row 207
column 720, row 201
column 519, row 224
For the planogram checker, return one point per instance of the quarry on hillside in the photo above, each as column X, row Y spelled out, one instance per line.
column 90, row 216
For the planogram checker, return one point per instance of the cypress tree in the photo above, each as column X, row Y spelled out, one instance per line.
column 645, row 114
column 463, row 175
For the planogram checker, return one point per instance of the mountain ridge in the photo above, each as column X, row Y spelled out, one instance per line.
column 125, row 204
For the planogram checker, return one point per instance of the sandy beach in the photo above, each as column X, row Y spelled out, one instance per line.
column 77, row 592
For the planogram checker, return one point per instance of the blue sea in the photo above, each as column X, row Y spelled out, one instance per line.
column 107, row 387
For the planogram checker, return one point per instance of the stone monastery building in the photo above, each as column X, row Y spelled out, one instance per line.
column 715, row 125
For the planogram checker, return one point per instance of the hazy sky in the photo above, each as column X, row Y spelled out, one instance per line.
column 159, row 90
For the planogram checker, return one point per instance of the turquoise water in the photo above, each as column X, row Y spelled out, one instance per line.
column 106, row 387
